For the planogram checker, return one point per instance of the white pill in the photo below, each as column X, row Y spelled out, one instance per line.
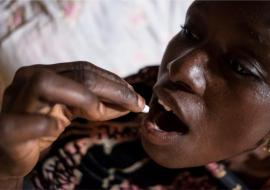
column 145, row 109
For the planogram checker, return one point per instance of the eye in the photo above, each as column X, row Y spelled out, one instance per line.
column 242, row 67
column 187, row 33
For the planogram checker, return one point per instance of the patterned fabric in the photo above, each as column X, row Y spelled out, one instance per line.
column 109, row 155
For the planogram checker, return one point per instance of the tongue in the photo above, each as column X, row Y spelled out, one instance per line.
column 167, row 121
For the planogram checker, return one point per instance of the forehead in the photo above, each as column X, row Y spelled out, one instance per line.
column 249, row 17
column 238, row 24
column 249, row 20
column 248, row 11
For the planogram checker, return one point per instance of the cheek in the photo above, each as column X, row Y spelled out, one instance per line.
column 238, row 118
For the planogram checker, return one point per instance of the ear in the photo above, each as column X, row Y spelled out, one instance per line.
column 263, row 144
column 256, row 161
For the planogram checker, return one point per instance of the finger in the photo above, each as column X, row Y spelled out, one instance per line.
column 114, row 93
column 68, row 69
column 49, row 87
column 117, row 93
column 107, row 112
column 81, row 67
column 10, row 94
column 75, row 70
column 16, row 128
column 54, row 89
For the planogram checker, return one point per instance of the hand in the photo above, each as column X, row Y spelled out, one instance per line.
column 42, row 101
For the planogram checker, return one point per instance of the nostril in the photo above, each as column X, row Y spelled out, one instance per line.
column 187, row 76
column 183, row 86
column 179, row 85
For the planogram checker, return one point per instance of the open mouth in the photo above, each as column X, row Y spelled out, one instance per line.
column 165, row 119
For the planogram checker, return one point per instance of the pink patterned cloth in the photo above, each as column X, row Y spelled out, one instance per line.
column 121, row 36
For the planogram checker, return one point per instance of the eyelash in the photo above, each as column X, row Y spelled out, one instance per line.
column 187, row 33
column 240, row 69
column 235, row 64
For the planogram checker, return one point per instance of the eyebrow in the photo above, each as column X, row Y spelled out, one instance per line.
column 259, row 40
column 254, row 34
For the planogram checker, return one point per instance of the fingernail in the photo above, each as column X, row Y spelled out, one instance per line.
column 141, row 102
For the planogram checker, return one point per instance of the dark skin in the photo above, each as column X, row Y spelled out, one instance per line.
column 215, row 77
column 43, row 100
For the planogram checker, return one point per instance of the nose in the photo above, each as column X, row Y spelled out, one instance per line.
column 189, row 71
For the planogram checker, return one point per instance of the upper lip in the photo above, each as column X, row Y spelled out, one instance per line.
column 169, row 99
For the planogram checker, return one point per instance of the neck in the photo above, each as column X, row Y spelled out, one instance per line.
column 252, row 167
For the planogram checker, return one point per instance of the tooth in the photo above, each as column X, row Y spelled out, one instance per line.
column 167, row 108
column 157, row 128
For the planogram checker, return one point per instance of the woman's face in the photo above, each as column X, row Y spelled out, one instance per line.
column 214, row 85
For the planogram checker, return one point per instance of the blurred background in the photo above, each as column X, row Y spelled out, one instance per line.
column 119, row 35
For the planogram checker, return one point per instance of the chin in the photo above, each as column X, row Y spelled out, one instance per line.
column 170, row 159
column 165, row 158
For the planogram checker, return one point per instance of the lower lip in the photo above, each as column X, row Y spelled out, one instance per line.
column 158, row 137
